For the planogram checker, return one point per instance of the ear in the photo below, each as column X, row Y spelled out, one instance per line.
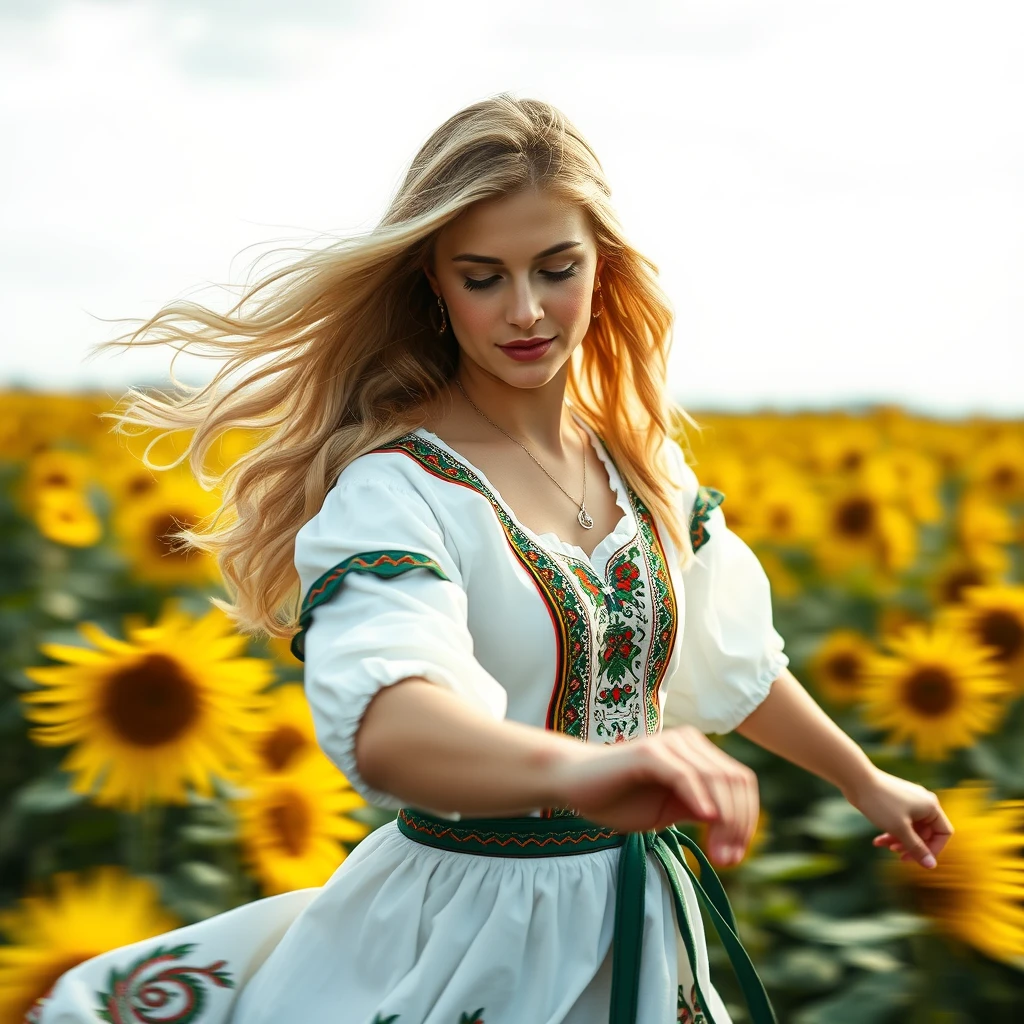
column 432, row 279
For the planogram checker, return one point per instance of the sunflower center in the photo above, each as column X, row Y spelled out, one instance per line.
column 290, row 823
column 280, row 745
column 851, row 460
column 1004, row 477
column 930, row 691
column 956, row 582
column 856, row 517
column 163, row 528
column 151, row 702
column 1004, row 631
column 781, row 519
column 139, row 484
column 56, row 478
column 844, row 668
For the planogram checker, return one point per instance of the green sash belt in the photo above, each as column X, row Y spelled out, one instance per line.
column 563, row 836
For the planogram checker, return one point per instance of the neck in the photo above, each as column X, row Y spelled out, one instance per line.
column 537, row 417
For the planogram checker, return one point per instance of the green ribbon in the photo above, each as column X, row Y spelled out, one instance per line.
column 567, row 835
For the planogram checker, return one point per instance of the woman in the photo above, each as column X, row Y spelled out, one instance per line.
column 525, row 675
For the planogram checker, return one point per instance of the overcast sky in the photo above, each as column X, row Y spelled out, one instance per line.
column 834, row 191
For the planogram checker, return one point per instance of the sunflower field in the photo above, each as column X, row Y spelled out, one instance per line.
column 157, row 768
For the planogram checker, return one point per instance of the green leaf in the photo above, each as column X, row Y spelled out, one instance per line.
column 869, row 1000
column 803, row 969
column 855, row 931
column 46, row 795
column 834, row 818
column 209, row 835
column 781, row 867
column 204, row 876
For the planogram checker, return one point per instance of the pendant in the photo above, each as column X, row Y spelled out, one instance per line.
column 585, row 521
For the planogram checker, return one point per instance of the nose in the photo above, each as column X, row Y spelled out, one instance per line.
column 524, row 306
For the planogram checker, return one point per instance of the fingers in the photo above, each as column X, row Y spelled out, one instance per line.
column 732, row 786
column 921, row 839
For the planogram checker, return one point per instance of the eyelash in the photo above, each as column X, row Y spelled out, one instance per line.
column 551, row 275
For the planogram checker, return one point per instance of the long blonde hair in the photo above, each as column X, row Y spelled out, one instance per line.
column 337, row 353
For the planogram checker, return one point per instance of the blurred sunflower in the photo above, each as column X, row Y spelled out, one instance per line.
column 174, row 704
column 88, row 915
column 994, row 617
column 894, row 618
column 292, row 823
column 954, row 576
column 57, row 469
column 844, row 446
column 66, row 517
column 837, row 667
column 286, row 729
column 908, row 478
column 997, row 467
column 976, row 893
column 787, row 510
column 862, row 530
column 983, row 528
column 147, row 529
column 937, row 689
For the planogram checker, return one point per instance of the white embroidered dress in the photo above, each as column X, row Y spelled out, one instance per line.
column 415, row 566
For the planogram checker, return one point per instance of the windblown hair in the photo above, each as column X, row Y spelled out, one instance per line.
column 337, row 353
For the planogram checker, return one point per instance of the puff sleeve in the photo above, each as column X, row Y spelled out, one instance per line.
column 730, row 652
column 384, row 600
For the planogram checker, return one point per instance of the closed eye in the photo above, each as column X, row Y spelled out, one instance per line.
column 552, row 275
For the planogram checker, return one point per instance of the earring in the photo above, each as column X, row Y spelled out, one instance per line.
column 444, row 319
column 597, row 294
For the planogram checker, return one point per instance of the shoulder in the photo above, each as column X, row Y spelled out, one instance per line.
column 382, row 502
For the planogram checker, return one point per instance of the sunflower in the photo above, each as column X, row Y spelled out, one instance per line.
column 787, row 508
column 88, row 915
column 837, row 667
column 286, row 729
column 976, row 894
column 66, row 517
column 57, row 469
column 843, row 446
column 864, row 532
column 937, row 689
column 147, row 529
column 170, row 705
column 910, row 479
column 983, row 529
column 997, row 467
column 954, row 576
column 994, row 616
column 292, row 823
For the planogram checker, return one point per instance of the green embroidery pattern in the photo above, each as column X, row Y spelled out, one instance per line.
column 133, row 997
column 706, row 501
column 382, row 563
column 567, row 584
column 567, row 710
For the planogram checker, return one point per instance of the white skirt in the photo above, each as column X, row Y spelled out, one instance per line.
column 404, row 933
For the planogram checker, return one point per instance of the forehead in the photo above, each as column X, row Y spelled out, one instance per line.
column 518, row 225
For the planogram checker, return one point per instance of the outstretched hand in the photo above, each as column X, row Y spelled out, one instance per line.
column 650, row 783
column 915, row 825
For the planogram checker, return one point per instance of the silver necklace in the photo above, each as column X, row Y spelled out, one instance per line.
column 584, row 517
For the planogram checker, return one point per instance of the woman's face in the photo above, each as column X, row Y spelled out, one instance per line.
column 500, row 281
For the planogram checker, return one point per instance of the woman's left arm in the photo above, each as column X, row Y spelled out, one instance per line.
column 789, row 722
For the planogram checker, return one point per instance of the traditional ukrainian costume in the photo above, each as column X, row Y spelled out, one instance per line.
column 415, row 566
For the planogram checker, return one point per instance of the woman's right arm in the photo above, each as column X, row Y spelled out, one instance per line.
column 425, row 745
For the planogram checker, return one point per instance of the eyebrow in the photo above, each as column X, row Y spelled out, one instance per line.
column 469, row 257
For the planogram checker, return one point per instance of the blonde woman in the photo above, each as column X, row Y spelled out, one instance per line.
column 519, row 615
